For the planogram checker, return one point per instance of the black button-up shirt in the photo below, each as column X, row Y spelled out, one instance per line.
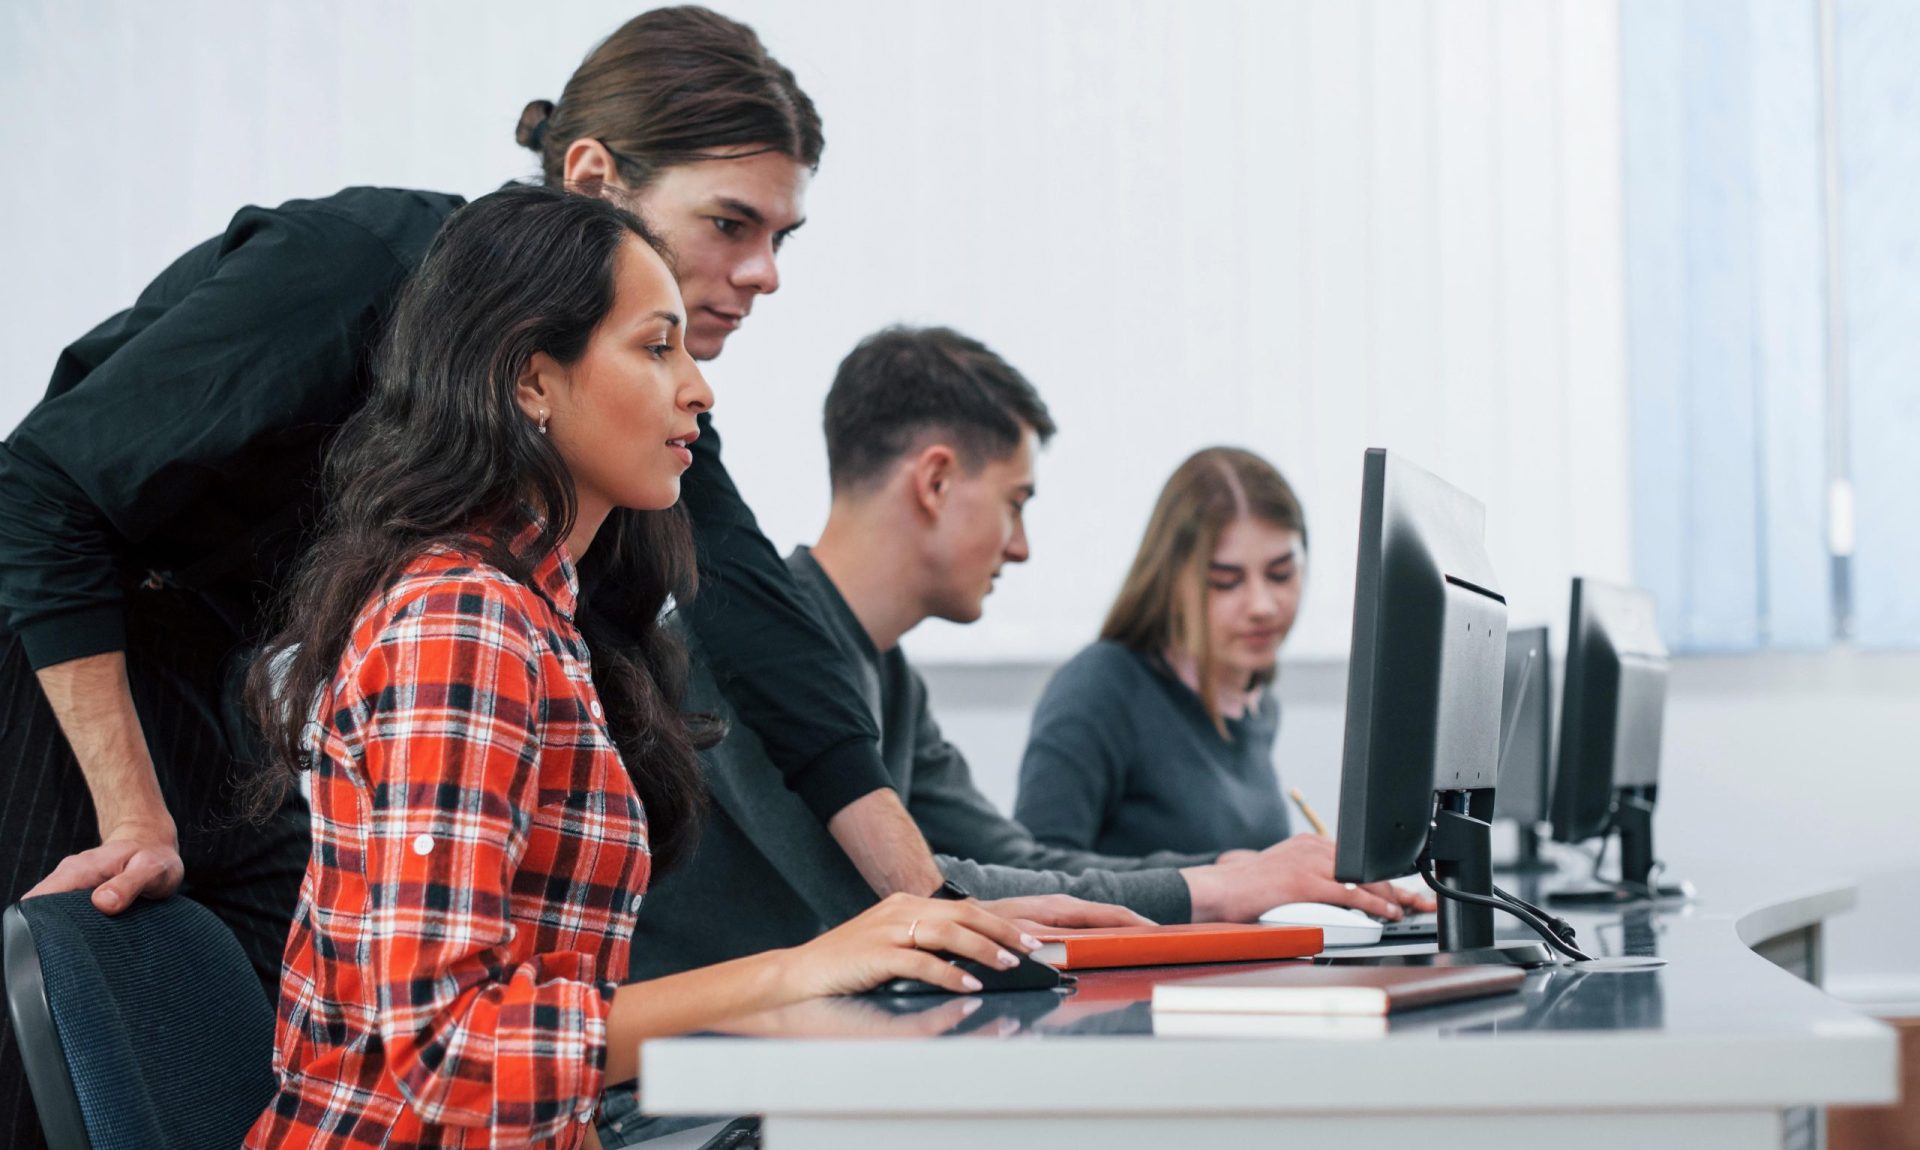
column 179, row 444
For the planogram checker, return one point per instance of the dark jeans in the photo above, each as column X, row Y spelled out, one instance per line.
column 246, row 872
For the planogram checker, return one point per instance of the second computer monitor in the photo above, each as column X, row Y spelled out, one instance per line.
column 1526, row 744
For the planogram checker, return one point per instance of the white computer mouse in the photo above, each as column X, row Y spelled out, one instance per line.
column 1339, row 925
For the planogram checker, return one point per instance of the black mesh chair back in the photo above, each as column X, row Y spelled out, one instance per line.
column 145, row 1030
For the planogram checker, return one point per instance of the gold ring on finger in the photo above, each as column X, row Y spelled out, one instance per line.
column 913, row 928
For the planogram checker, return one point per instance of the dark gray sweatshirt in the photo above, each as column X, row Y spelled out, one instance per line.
column 1123, row 759
column 767, row 874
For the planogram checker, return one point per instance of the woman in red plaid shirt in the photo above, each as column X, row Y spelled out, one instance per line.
column 485, row 819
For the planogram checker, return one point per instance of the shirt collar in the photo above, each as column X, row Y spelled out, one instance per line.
column 553, row 573
column 810, row 575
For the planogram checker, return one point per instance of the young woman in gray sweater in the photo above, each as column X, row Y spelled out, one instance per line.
column 1160, row 736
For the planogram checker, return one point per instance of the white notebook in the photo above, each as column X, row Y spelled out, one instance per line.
column 1353, row 990
column 1181, row 1024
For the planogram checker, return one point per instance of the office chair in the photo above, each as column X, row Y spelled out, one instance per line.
column 148, row 1029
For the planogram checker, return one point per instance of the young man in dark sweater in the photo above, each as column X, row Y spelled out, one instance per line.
column 931, row 439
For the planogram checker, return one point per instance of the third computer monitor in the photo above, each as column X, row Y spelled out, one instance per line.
column 1612, row 713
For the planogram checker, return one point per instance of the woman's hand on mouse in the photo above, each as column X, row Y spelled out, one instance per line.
column 897, row 939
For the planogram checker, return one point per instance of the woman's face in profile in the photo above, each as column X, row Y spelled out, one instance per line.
column 622, row 414
column 1253, row 594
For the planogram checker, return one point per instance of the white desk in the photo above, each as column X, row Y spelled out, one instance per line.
column 1715, row 1050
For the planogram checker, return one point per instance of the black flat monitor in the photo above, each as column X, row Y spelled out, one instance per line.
column 1526, row 747
column 1423, row 699
column 1612, row 712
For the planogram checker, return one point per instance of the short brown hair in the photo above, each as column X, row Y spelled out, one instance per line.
column 668, row 87
column 1162, row 605
column 903, row 381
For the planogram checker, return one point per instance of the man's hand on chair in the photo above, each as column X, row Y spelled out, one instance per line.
column 137, row 857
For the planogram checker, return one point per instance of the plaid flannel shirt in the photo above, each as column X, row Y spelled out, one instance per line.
column 479, row 855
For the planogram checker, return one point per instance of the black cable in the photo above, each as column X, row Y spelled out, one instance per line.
column 1561, row 927
column 1650, row 888
column 1647, row 890
column 1539, row 926
column 1600, row 859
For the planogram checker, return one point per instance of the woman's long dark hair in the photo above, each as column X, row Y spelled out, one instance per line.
column 441, row 453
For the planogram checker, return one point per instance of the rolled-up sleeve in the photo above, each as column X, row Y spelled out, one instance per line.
column 450, row 741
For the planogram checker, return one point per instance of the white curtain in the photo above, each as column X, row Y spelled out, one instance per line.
column 1878, row 44
column 1760, row 401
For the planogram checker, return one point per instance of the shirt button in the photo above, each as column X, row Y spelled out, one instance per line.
column 423, row 844
column 635, row 905
column 595, row 708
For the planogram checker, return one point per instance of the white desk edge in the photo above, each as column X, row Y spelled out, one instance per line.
column 1839, row 1057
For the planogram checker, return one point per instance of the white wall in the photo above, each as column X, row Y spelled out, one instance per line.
column 1306, row 227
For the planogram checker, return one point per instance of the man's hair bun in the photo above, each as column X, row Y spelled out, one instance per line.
column 531, row 132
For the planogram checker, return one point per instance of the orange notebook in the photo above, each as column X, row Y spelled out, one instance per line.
column 1175, row 944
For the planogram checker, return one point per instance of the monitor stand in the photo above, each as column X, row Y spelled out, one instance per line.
column 1462, row 852
column 1633, row 819
column 1529, row 859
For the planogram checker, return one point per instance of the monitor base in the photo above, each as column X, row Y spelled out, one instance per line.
column 1526, row 866
column 1528, row 954
column 1619, row 895
column 1662, row 891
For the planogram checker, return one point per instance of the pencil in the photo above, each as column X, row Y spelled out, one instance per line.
column 1306, row 808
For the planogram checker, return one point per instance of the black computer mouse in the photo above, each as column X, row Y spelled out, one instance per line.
column 1030, row 974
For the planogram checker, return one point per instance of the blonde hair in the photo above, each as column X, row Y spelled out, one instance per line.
column 1162, row 605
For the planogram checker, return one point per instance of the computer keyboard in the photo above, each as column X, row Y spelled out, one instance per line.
column 1412, row 928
